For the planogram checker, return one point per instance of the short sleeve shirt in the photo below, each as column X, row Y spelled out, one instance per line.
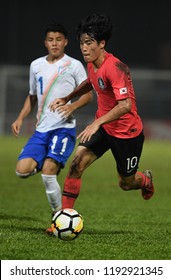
column 112, row 82
column 50, row 81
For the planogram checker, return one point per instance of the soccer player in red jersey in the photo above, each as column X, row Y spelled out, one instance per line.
column 117, row 125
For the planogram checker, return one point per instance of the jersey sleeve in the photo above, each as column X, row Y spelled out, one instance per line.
column 80, row 73
column 32, row 81
column 118, row 78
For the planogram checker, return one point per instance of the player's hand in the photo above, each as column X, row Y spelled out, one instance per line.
column 66, row 110
column 16, row 127
column 87, row 133
column 57, row 103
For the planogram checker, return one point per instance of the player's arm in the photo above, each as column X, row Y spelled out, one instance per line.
column 123, row 107
column 68, row 109
column 25, row 111
column 84, row 88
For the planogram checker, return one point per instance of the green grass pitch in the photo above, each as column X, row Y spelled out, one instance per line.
column 118, row 225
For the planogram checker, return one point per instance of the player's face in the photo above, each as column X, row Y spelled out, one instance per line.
column 55, row 43
column 92, row 51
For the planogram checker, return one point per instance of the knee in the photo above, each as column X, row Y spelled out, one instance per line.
column 26, row 168
column 51, row 167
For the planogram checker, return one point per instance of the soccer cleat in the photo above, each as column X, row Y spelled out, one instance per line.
column 148, row 191
column 49, row 230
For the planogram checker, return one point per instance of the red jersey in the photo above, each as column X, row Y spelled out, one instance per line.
column 112, row 82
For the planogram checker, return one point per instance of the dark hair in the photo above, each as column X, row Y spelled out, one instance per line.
column 96, row 26
column 55, row 27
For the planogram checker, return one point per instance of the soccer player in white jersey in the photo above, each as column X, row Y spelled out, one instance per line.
column 54, row 138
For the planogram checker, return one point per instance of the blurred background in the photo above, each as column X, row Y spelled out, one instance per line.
column 141, row 39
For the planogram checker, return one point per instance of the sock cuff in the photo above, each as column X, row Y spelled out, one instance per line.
column 48, row 176
column 69, row 194
column 145, row 179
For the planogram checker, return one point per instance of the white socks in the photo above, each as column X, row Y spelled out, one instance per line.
column 53, row 191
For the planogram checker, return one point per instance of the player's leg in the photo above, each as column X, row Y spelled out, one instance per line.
column 31, row 158
column 85, row 155
column 139, row 180
column 26, row 167
column 72, row 185
column 127, row 155
column 61, row 145
column 49, row 177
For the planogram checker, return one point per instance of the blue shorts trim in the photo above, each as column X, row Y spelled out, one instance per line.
column 57, row 144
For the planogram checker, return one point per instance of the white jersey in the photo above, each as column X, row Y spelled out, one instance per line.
column 50, row 81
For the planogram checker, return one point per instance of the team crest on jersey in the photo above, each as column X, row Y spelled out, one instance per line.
column 63, row 68
column 101, row 83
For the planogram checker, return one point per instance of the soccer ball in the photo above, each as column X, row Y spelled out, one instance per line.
column 67, row 224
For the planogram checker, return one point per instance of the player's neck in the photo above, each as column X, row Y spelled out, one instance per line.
column 97, row 63
column 53, row 59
